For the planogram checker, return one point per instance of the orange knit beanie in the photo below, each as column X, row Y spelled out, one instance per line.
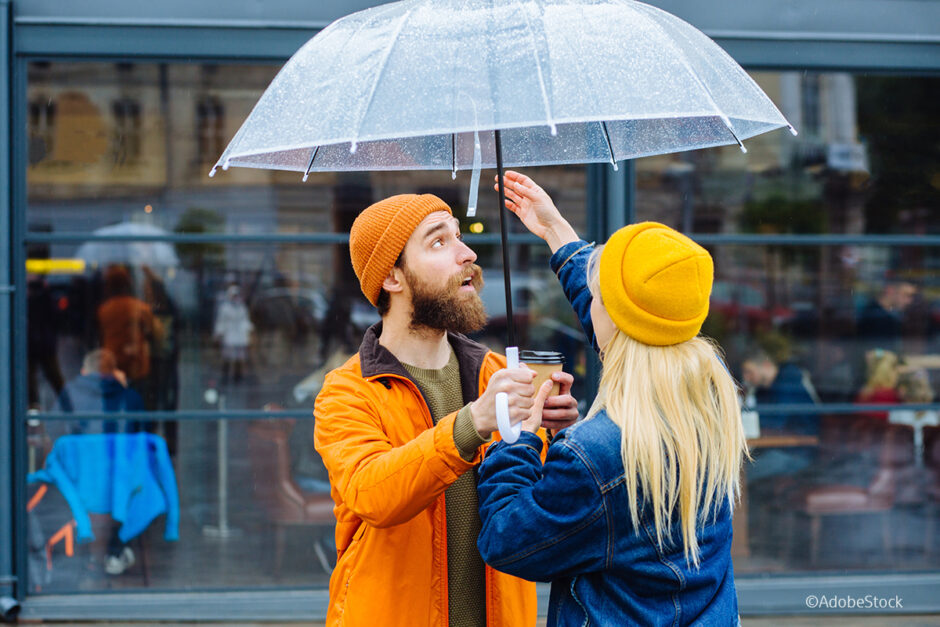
column 380, row 233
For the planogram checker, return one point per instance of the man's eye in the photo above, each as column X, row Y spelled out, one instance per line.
column 437, row 243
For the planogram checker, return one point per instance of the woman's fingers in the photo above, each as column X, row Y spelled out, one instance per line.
column 533, row 420
column 539, row 403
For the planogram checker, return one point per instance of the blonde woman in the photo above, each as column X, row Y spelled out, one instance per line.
column 629, row 517
column 881, row 383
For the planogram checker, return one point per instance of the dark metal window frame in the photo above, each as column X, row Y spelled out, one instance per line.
column 610, row 193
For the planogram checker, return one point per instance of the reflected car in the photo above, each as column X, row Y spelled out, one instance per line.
column 746, row 304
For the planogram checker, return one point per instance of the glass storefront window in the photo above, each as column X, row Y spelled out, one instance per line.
column 123, row 151
column 865, row 162
column 806, row 327
column 269, row 524
column 817, row 326
column 259, row 322
column 248, row 318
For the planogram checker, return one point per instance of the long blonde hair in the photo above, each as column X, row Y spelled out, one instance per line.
column 883, row 370
column 682, row 436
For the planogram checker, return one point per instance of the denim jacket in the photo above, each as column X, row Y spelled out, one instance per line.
column 568, row 522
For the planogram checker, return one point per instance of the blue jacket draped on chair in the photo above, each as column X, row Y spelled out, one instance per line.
column 127, row 475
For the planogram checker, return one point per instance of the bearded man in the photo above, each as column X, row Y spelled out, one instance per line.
column 403, row 423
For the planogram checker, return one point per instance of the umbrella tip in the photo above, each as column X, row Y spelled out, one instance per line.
column 352, row 148
column 554, row 129
column 304, row 180
column 616, row 167
column 212, row 172
column 453, row 175
column 792, row 130
column 743, row 149
column 225, row 165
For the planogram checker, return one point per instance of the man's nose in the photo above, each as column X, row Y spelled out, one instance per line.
column 466, row 254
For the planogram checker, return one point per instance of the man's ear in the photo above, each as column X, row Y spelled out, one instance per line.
column 394, row 283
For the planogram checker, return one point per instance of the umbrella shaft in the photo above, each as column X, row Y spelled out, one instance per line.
column 504, row 236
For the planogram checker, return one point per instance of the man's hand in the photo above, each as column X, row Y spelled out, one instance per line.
column 536, row 210
column 517, row 384
column 562, row 410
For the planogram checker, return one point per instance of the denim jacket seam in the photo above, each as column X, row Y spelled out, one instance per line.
column 668, row 564
column 610, row 533
column 526, row 444
column 575, row 448
column 662, row 558
column 574, row 595
column 585, row 461
column 572, row 256
column 613, row 483
column 548, row 543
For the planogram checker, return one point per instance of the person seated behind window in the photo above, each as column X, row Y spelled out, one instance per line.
column 780, row 384
column 99, row 387
column 914, row 387
column 881, row 382
column 102, row 387
column 879, row 321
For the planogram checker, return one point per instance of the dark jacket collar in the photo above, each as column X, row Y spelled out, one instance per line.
column 376, row 360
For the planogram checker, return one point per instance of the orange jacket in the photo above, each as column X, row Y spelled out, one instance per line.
column 389, row 466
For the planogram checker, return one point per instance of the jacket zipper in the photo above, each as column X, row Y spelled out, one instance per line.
column 429, row 421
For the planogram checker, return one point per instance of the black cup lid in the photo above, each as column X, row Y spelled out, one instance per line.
column 541, row 357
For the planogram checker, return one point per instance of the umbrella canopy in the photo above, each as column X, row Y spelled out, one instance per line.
column 154, row 254
column 437, row 84
column 406, row 85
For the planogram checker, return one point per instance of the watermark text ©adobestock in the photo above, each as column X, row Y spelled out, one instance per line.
column 853, row 602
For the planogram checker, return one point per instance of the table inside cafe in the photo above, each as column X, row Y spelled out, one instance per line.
column 740, row 546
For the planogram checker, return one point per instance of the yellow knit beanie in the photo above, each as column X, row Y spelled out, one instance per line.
column 655, row 283
column 380, row 233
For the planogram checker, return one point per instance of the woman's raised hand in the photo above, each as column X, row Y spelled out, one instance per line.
column 536, row 210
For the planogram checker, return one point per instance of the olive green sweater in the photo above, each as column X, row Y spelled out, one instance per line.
column 466, row 580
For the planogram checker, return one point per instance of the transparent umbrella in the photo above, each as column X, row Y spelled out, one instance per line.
column 434, row 84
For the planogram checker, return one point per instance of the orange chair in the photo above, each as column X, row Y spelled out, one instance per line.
column 284, row 502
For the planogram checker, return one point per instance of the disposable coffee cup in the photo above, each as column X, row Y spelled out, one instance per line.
column 544, row 363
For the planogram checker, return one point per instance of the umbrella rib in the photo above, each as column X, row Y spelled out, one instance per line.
column 610, row 149
column 538, row 68
column 378, row 76
column 313, row 156
column 695, row 77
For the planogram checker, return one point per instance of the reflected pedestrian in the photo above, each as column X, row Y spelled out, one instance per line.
column 233, row 329
column 42, row 338
column 127, row 329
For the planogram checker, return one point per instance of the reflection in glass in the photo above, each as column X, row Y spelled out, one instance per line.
column 134, row 142
column 116, row 510
column 253, row 321
column 860, row 494
column 804, row 325
column 865, row 162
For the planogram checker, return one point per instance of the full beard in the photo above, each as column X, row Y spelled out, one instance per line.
column 447, row 309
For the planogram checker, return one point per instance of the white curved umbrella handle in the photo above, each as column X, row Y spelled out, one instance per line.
column 509, row 432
